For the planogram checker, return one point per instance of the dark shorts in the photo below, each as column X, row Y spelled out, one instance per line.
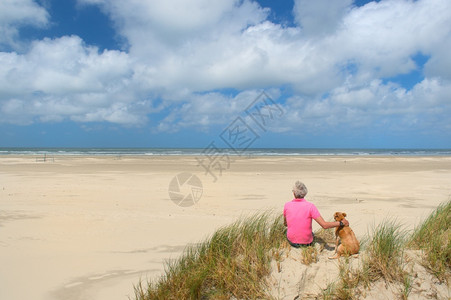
column 300, row 245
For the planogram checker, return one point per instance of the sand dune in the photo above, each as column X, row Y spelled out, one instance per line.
column 293, row 278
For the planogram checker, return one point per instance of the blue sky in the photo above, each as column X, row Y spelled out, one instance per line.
column 177, row 73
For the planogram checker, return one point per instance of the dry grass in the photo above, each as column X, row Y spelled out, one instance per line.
column 309, row 255
column 383, row 260
column 235, row 261
column 384, row 253
column 433, row 237
column 322, row 237
column 231, row 263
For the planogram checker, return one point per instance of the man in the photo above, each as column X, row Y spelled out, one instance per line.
column 298, row 215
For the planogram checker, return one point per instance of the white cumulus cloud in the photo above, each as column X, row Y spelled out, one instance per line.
column 337, row 63
column 15, row 14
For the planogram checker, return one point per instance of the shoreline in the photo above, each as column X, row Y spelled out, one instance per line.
column 232, row 157
column 213, row 150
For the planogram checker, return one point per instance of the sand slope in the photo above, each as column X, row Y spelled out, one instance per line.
column 291, row 278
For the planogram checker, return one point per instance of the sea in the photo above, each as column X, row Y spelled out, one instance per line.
column 225, row 151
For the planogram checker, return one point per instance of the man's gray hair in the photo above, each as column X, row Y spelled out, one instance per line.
column 299, row 190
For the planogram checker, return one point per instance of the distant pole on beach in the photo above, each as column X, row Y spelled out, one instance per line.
column 44, row 158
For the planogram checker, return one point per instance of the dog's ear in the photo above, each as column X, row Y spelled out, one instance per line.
column 344, row 214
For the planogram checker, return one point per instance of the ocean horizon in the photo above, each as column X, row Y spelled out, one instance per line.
column 97, row 151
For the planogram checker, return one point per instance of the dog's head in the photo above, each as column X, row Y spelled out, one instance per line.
column 338, row 216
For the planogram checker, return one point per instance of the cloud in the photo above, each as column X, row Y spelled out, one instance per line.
column 195, row 45
column 209, row 110
column 320, row 17
column 18, row 13
column 439, row 65
column 336, row 65
column 65, row 79
column 376, row 106
column 382, row 37
column 247, row 51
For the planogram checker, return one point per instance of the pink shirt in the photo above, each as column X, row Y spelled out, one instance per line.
column 299, row 214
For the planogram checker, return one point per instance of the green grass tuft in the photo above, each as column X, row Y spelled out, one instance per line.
column 384, row 253
column 231, row 263
column 383, row 259
column 406, row 286
column 433, row 236
column 235, row 261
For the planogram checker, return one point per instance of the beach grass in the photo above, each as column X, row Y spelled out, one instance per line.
column 384, row 253
column 384, row 256
column 235, row 261
column 406, row 286
column 345, row 287
column 383, row 259
column 433, row 237
column 231, row 263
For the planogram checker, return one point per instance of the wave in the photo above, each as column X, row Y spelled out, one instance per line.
column 225, row 151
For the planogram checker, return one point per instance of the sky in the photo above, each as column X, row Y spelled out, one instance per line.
column 179, row 73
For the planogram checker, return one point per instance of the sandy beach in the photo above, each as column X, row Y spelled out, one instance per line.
column 77, row 227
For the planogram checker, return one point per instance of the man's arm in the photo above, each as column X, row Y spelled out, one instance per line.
column 327, row 225
column 284, row 221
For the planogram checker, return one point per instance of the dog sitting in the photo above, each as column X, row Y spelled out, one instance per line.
column 349, row 243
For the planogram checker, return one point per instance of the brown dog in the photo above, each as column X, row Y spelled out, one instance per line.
column 349, row 243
